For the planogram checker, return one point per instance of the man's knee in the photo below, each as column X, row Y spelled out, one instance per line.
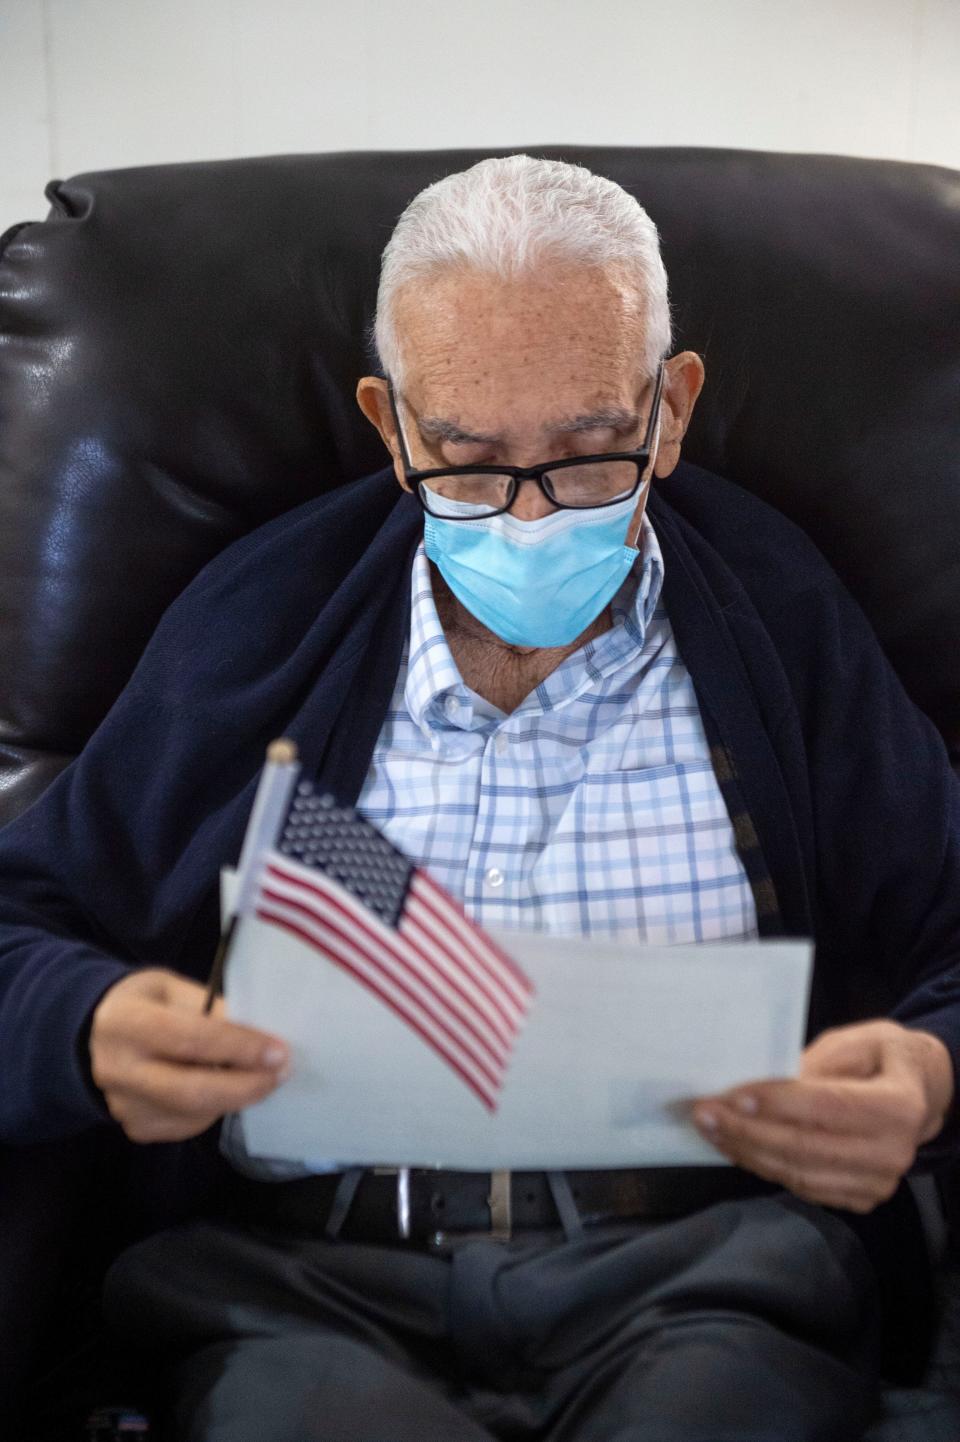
column 313, row 1387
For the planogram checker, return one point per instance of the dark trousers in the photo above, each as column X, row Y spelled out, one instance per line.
column 750, row 1321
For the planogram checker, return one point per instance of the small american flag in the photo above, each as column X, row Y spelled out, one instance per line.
column 340, row 886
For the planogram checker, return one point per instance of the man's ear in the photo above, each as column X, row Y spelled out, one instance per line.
column 682, row 384
column 373, row 399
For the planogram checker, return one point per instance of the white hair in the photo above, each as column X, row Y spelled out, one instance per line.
column 510, row 216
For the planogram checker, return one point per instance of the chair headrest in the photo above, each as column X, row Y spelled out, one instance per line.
column 180, row 345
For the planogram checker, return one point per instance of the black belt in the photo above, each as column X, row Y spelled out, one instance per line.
column 423, row 1207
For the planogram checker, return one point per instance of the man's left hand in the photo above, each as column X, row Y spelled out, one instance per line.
column 847, row 1130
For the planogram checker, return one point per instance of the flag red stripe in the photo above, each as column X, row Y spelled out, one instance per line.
column 361, row 946
column 488, row 1098
column 483, row 947
column 397, row 948
column 417, row 915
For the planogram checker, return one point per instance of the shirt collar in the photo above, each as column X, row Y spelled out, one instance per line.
column 438, row 700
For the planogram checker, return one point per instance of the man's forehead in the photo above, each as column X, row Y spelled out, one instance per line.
column 486, row 360
column 512, row 401
column 453, row 322
column 609, row 416
column 566, row 284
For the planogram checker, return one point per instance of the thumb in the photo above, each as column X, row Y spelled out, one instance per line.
column 852, row 1051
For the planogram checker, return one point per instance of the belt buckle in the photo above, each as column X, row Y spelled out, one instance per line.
column 500, row 1202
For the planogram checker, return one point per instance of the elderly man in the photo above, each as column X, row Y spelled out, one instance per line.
column 594, row 690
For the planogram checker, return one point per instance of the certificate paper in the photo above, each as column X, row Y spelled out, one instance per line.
column 620, row 1037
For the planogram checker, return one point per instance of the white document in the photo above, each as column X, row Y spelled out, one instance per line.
column 619, row 1038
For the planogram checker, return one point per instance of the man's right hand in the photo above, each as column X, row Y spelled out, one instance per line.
column 168, row 1071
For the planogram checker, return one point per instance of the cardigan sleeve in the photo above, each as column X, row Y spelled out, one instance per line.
column 93, row 883
column 885, row 805
column 861, row 809
column 110, row 868
column 116, row 865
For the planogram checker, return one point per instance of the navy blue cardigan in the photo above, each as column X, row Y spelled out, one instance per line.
column 297, row 629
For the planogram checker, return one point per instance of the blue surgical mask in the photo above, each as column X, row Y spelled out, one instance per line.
column 534, row 583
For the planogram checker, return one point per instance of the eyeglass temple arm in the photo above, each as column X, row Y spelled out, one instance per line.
column 401, row 438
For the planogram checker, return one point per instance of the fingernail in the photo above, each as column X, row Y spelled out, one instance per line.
column 707, row 1120
column 274, row 1055
column 748, row 1105
column 284, row 1072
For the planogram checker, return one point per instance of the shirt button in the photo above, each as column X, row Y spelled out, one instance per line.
column 501, row 744
column 494, row 876
column 451, row 705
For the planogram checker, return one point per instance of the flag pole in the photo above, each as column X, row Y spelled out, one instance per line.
column 277, row 780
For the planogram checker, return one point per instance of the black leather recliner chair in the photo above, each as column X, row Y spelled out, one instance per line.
column 179, row 347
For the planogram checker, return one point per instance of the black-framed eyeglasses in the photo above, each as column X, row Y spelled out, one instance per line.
column 577, row 483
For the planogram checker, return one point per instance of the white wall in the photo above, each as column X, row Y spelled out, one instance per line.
column 89, row 84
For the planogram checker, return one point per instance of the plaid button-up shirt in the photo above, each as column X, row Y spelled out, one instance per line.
column 592, row 808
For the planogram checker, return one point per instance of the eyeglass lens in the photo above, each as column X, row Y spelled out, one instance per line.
column 592, row 484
